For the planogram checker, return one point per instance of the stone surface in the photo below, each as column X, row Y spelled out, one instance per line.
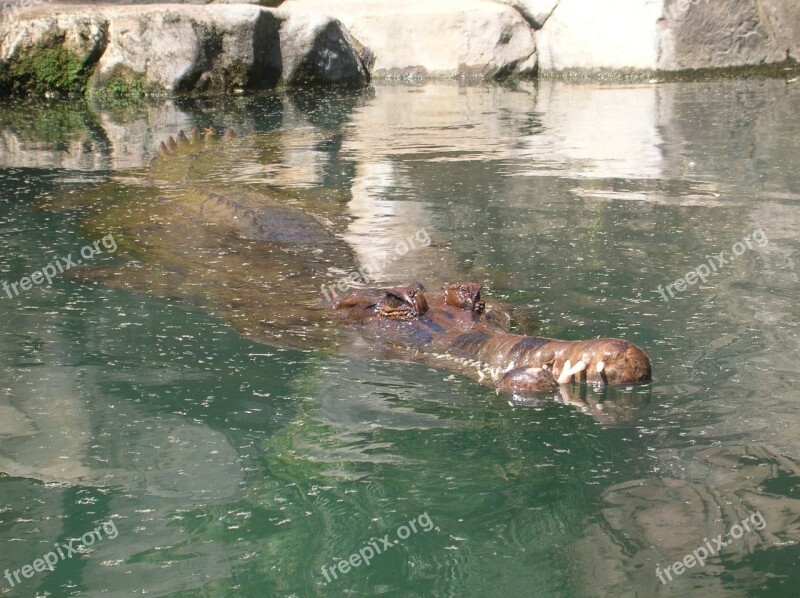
column 536, row 12
column 726, row 33
column 444, row 38
column 189, row 48
column 318, row 50
column 671, row 35
column 269, row 3
column 613, row 34
column 194, row 48
column 228, row 46
column 81, row 33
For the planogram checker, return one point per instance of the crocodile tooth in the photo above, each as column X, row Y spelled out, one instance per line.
column 481, row 376
column 565, row 375
column 570, row 370
column 601, row 365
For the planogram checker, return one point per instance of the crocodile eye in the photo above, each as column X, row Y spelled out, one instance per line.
column 394, row 301
column 404, row 302
column 395, row 306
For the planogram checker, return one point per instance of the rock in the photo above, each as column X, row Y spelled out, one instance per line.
column 318, row 50
column 536, row 12
column 52, row 53
column 730, row 33
column 610, row 35
column 445, row 38
column 192, row 48
column 226, row 46
column 670, row 35
column 268, row 3
column 173, row 48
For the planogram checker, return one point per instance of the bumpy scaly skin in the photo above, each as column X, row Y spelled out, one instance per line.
column 454, row 323
column 603, row 361
column 527, row 380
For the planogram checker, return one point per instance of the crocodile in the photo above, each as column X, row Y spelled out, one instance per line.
column 189, row 230
column 454, row 323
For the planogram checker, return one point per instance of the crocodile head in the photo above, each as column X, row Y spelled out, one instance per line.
column 455, row 323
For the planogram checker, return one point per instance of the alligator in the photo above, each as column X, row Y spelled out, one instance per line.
column 189, row 230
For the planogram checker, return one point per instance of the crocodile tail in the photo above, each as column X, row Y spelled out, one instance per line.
column 176, row 157
column 194, row 142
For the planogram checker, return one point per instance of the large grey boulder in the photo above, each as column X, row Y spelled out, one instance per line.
column 316, row 49
column 729, row 33
column 175, row 48
column 192, row 48
column 441, row 38
column 59, row 47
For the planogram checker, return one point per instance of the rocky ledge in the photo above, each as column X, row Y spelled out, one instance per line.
column 112, row 48
column 595, row 37
column 119, row 49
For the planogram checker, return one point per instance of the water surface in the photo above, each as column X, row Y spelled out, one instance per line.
column 235, row 468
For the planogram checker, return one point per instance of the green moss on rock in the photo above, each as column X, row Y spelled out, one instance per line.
column 122, row 83
column 46, row 70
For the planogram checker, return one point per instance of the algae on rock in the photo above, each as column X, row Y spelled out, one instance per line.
column 47, row 70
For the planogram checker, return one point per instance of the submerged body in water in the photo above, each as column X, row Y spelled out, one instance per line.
column 257, row 258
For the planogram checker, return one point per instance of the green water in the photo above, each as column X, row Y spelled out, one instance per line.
column 233, row 468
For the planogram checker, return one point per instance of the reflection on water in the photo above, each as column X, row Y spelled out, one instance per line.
column 235, row 468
